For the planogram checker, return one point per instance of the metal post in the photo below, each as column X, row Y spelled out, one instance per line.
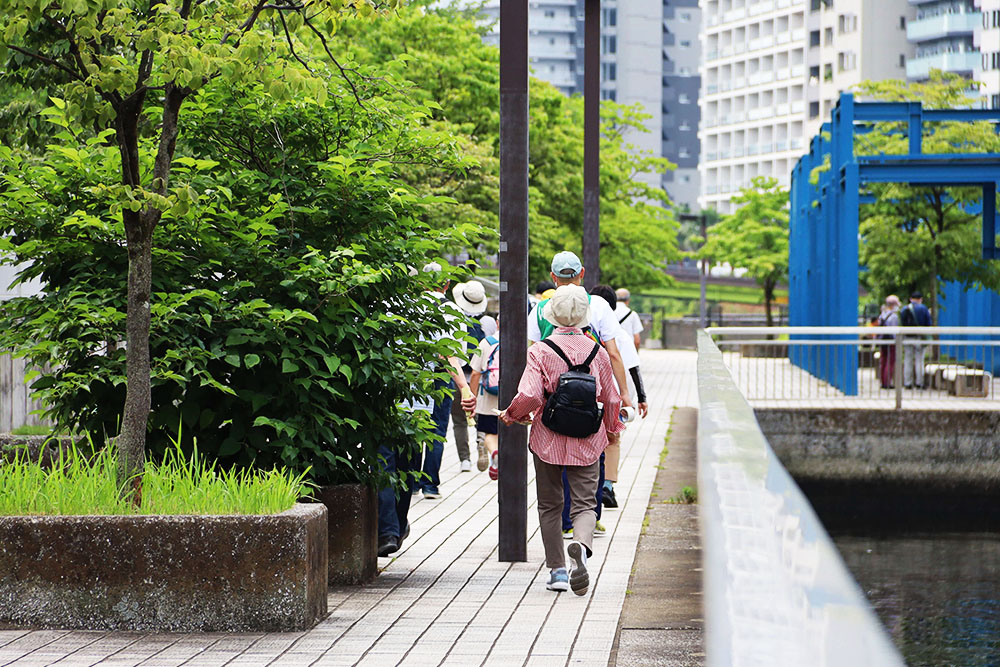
column 897, row 371
column 591, row 143
column 702, row 275
column 513, row 485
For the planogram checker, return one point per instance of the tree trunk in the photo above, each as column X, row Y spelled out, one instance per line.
column 139, row 228
column 131, row 441
column 768, row 300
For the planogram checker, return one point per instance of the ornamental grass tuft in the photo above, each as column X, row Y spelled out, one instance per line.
column 78, row 484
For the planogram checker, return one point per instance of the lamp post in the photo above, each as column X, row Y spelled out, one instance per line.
column 512, row 491
column 592, row 143
column 702, row 267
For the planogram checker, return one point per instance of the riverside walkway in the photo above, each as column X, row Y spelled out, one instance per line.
column 444, row 599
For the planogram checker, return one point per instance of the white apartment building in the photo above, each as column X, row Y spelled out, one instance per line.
column 987, row 41
column 771, row 72
column 555, row 33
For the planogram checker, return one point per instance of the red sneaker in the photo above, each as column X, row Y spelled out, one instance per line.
column 494, row 465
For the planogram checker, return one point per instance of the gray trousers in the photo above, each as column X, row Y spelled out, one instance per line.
column 582, row 510
column 913, row 364
column 460, row 425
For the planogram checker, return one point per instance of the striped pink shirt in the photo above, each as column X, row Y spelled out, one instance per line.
column 539, row 380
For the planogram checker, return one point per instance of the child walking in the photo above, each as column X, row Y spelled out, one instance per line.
column 485, row 385
column 553, row 452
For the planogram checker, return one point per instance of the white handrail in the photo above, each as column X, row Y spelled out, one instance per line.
column 853, row 331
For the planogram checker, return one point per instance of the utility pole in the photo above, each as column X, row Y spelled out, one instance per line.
column 591, row 143
column 512, row 489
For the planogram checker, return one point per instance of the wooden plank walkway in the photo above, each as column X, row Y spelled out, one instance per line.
column 444, row 599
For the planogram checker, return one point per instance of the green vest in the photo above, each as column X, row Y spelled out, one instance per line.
column 545, row 328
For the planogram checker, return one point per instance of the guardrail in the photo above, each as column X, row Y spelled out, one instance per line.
column 888, row 367
column 776, row 591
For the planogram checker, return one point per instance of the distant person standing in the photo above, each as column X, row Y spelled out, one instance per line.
column 470, row 298
column 628, row 318
column 914, row 314
column 887, row 353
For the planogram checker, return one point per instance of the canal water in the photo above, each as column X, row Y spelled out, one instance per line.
column 929, row 564
column 938, row 593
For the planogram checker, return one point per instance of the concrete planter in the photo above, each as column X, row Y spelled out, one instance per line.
column 165, row 573
column 44, row 448
column 353, row 533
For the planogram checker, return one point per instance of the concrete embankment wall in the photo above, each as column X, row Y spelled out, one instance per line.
column 922, row 461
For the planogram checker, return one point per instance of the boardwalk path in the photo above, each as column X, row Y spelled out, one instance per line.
column 444, row 599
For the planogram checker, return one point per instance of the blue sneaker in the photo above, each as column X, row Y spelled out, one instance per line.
column 431, row 493
column 558, row 580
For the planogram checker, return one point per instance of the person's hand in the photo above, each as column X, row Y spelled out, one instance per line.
column 502, row 414
column 626, row 400
column 614, row 438
column 643, row 409
column 468, row 400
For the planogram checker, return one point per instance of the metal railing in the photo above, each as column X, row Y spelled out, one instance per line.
column 776, row 591
column 891, row 367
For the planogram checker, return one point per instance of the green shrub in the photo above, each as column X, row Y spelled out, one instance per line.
column 286, row 329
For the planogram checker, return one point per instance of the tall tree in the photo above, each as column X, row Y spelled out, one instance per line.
column 914, row 237
column 130, row 66
column 755, row 237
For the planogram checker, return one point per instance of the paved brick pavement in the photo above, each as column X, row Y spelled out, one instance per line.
column 444, row 599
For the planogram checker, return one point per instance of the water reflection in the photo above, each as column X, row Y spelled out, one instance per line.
column 937, row 593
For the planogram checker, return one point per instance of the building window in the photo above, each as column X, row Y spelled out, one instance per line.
column 814, row 38
column 828, row 36
column 813, row 109
column 683, row 99
column 685, row 178
column 685, row 16
column 846, row 61
column 609, row 71
column 550, row 13
column 902, row 23
column 686, row 42
column 683, row 152
column 847, row 23
column 902, row 60
column 609, row 17
column 995, row 101
column 609, row 44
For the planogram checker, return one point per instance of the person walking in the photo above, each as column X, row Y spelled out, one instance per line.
column 887, row 353
column 566, row 269
column 914, row 314
column 569, row 310
column 628, row 318
column 441, row 412
column 393, row 505
column 485, row 385
column 470, row 298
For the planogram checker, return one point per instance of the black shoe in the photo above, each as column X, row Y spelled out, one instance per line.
column 609, row 499
column 387, row 544
column 406, row 533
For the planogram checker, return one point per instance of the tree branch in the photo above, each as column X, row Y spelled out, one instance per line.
column 343, row 71
column 291, row 47
column 48, row 61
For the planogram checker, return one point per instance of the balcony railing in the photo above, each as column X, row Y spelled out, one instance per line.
column 920, row 68
column 943, row 25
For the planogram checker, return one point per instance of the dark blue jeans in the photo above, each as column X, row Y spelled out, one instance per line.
column 567, row 522
column 393, row 511
column 432, row 458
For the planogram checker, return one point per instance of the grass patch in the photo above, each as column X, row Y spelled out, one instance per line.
column 749, row 295
column 686, row 496
column 87, row 485
column 32, row 429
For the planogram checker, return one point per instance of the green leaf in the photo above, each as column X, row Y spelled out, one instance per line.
column 289, row 366
column 251, row 360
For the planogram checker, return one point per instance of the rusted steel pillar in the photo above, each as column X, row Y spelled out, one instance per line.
column 513, row 481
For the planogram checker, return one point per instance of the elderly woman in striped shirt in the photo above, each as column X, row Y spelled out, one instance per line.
column 569, row 310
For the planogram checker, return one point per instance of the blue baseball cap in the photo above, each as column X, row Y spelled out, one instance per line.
column 566, row 264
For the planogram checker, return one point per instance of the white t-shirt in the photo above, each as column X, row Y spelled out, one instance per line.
column 486, row 402
column 602, row 321
column 631, row 324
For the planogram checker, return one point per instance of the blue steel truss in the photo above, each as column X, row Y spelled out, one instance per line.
column 823, row 261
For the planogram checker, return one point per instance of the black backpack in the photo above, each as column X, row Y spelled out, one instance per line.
column 908, row 316
column 572, row 408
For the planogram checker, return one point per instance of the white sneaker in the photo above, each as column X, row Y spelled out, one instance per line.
column 466, row 465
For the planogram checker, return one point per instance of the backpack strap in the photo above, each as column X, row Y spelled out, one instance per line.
column 625, row 317
column 558, row 350
column 570, row 364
